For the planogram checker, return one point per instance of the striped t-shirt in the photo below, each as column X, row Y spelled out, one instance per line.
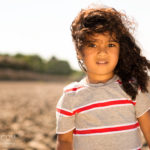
column 102, row 115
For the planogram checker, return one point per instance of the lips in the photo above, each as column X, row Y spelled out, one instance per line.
column 101, row 62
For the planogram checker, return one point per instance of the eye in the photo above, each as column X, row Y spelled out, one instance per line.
column 111, row 45
column 92, row 45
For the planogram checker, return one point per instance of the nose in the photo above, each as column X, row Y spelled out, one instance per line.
column 102, row 51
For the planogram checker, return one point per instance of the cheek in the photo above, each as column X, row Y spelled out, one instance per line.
column 88, row 56
column 89, row 61
column 115, row 56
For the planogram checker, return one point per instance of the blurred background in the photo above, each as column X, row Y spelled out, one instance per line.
column 37, row 59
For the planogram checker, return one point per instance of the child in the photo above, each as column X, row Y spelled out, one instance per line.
column 107, row 108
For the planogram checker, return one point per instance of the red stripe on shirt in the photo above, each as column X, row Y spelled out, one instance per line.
column 120, row 82
column 74, row 89
column 105, row 130
column 103, row 104
column 96, row 105
column 130, row 81
column 64, row 112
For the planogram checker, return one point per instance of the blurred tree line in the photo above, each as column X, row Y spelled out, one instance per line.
column 36, row 64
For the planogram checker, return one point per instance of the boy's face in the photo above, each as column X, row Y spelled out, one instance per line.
column 100, row 56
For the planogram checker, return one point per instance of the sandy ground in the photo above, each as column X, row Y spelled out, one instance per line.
column 27, row 115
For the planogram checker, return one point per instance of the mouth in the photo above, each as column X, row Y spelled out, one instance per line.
column 102, row 62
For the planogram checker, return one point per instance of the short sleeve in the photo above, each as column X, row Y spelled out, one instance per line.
column 64, row 114
column 142, row 103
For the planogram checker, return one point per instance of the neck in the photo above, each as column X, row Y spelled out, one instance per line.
column 99, row 78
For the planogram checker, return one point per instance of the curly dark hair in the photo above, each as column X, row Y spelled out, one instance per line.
column 131, row 64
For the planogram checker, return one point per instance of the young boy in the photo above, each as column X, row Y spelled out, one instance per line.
column 106, row 108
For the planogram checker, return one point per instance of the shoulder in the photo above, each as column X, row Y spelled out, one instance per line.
column 68, row 98
column 73, row 87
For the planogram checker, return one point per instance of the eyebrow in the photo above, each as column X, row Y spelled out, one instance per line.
column 94, row 40
column 112, row 40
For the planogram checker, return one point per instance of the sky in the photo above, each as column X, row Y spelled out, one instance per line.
column 43, row 26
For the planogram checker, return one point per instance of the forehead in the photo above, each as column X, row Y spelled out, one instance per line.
column 106, row 36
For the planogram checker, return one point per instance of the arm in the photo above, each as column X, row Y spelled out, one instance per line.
column 144, row 122
column 65, row 141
